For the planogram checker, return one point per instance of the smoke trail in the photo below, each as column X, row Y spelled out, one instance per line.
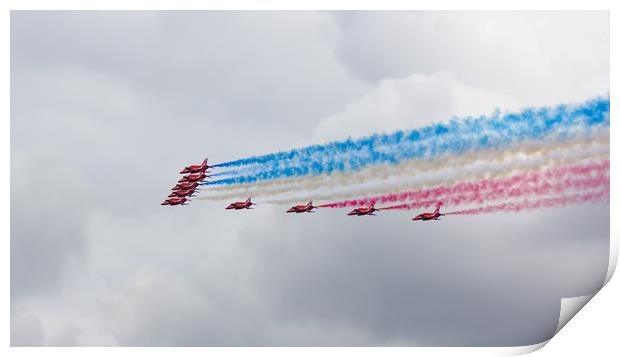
column 456, row 136
column 527, row 205
column 525, row 148
column 446, row 177
column 578, row 177
column 492, row 161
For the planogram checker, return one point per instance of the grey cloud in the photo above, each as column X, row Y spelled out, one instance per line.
column 26, row 330
column 89, row 105
column 478, row 289
column 302, row 282
column 68, row 336
column 48, row 226
column 203, row 66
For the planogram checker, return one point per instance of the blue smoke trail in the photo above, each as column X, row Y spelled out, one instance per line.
column 456, row 136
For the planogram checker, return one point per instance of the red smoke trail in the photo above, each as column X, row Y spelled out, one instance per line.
column 527, row 205
column 556, row 180
column 543, row 189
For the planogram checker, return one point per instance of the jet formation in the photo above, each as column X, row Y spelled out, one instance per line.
column 187, row 186
column 195, row 175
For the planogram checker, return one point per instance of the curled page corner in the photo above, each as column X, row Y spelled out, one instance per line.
column 570, row 307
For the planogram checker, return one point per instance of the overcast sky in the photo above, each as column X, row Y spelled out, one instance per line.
column 106, row 107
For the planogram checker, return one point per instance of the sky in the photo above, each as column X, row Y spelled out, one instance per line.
column 107, row 107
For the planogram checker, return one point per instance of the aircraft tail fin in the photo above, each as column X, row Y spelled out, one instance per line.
column 309, row 204
column 438, row 207
column 372, row 205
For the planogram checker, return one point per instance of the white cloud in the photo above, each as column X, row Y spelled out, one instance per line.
column 409, row 102
column 534, row 57
column 431, row 66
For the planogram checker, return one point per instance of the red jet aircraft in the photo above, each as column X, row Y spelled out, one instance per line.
column 370, row 211
column 193, row 178
column 428, row 216
column 186, row 186
column 241, row 205
column 194, row 169
column 301, row 209
column 182, row 193
column 175, row 201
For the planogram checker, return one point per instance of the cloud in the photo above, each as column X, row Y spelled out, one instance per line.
column 534, row 57
column 300, row 281
column 412, row 101
column 68, row 336
column 94, row 117
column 377, row 277
column 26, row 330
column 43, row 242
column 206, row 72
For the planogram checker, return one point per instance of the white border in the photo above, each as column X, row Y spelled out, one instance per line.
column 310, row 5
column 596, row 323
